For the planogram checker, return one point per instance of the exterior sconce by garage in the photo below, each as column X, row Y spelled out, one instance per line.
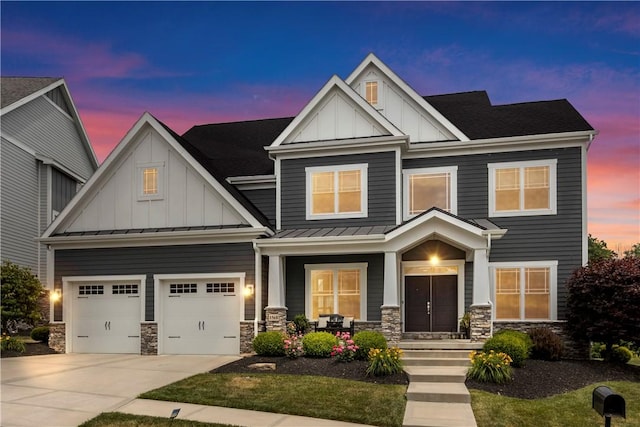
column 248, row 290
column 55, row 295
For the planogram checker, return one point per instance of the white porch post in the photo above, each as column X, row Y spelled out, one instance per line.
column 390, row 296
column 276, row 284
column 481, row 291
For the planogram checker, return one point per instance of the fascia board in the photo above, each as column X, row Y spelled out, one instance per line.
column 364, row 145
column 252, row 179
column 317, row 241
column 335, row 81
column 430, row 217
column 372, row 59
column 80, row 126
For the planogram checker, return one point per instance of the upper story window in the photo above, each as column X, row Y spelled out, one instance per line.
column 371, row 92
column 522, row 188
column 336, row 192
column 150, row 181
column 429, row 187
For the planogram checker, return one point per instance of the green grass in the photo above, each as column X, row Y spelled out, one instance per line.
column 310, row 396
column 571, row 409
column 111, row 419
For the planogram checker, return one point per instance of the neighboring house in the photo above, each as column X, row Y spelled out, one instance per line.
column 398, row 210
column 46, row 157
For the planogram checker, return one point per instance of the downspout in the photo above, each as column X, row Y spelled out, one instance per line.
column 490, row 286
column 257, row 295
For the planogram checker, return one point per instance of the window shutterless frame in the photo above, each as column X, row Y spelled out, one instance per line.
column 451, row 172
column 333, row 191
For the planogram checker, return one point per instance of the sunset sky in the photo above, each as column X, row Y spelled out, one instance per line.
column 207, row 62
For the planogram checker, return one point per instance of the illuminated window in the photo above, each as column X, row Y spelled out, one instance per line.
column 336, row 288
column 150, row 181
column 337, row 192
column 522, row 188
column 426, row 188
column 371, row 92
column 525, row 292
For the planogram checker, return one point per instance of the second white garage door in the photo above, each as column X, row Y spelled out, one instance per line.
column 201, row 316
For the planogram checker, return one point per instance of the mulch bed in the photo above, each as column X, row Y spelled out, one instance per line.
column 32, row 349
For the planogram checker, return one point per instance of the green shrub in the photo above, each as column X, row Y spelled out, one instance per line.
column 384, row 361
column 490, row 367
column 9, row 343
column 41, row 333
column 597, row 350
column 621, row 355
column 366, row 340
column 519, row 335
column 512, row 344
column 547, row 345
column 269, row 344
column 318, row 344
column 301, row 323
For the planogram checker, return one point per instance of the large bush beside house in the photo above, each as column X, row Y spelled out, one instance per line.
column 516, row 345
column 319, row 344
column 269, row 344
column 21, row 292
column 603, row 301
column 547, row 345
column 367, row 340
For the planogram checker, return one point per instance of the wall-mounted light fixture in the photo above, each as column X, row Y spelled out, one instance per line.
column 55, row 295
column 248, row 290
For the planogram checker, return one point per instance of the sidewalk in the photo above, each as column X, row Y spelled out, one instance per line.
column 231, row 416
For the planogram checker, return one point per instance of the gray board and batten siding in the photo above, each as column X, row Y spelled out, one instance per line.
column 530, row 238
column 187, row 259
column 63, row 188
column 49, row 132
column 381, row 175
column 265, row 200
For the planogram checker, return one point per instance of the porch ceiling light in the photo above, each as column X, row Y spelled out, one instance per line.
column 434, row 260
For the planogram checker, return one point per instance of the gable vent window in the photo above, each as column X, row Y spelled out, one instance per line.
column 221, row 288
column 183, row 288
column 90, row 290
column 371, row 92
column 150, row 181
column 124, row 289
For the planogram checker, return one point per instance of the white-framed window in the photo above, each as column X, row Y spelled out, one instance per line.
column 371, row 92
column 522, row 188
column 428, row 187
column 336, row 192
column 150, row 181
column 525, row 290
column 336, row 288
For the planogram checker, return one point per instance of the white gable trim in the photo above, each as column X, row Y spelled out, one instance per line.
column 442, row 120
column 111, row 161
column 336, row 82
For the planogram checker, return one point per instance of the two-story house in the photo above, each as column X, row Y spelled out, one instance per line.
column 401, row 211
column 46, row 157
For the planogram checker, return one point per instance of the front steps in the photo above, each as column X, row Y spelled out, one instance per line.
column 437, row 396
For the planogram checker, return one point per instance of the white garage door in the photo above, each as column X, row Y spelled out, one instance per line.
column 201, row 316
column 106, row 318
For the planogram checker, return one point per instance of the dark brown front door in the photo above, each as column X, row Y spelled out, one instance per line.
column 431, row 303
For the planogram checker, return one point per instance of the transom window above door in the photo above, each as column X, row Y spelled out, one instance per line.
column 428, row 187
column 336, row 288
column 336, row 192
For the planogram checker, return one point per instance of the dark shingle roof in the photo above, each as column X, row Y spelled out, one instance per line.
column 237, row 149
column 473, row 114
column 13, row 89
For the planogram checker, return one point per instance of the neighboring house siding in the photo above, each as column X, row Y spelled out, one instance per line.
column 63, row 188
column 19, row 210
column 265, row 201
column 44, row 128
column 530, row 238
column 381, row 190
column 295, row 280
column 222, row 258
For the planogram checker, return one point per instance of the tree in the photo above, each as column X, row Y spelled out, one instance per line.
column 20, row 291
column 603, row 302
column 633, row 252
column 598, row 250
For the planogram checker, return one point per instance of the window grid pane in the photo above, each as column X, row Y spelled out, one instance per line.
column 429, row 190
column 321, row 292
column 326, row 298
column 507, row 189
column 336, row 192
column 507, row 293
column 322, row 192
column 150, row 181
column 349, row 191
column 536, row 187
column 536, row 305
column 371, row 92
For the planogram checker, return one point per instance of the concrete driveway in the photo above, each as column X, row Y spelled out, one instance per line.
column 67, row 389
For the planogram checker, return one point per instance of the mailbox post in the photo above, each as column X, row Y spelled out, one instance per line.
column 608, row 404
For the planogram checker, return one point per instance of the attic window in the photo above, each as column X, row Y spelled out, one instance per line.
column 371, row 92
column 150, row 181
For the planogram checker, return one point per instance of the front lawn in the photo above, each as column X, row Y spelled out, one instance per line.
column 572, row 409
column 304, row 395
column 111, row 419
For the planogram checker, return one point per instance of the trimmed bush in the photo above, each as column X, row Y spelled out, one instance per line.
column 384, row 362
column 269, row 344
column 367, row 340
column 490, row 367
column 512, row 344
column 547, row 345
column 9, row 343
column 519, row 335
column 620, row 355
column 41, row 333
column 318, row 344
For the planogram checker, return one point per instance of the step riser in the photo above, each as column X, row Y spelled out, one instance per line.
column 439, row 345
column 442, row 354
column 430, row 378
column 438, row 397
column 435, row 362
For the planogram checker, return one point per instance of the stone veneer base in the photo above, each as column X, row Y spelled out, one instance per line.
column 57, row 337
column 391, row 325
column 480, row 329
column 572, row 349
column 247, row 335
column 276, row 319
column 149, row 339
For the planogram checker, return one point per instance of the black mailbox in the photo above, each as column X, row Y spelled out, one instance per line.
column 607, row 403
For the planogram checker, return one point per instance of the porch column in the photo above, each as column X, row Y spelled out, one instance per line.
column 391, row 322
column 482, row 307
column 276, row 312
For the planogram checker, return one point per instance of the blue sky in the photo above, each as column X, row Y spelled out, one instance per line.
column 206, row 62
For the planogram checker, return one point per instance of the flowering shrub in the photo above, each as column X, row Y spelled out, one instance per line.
column 9, row 343
column 384, row 362
column 345, row 350
column 490, row 367
column 293, row 346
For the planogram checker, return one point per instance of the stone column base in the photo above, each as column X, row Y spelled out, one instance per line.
column 57, row 337
column 480, row 322
column 149, row 339
column 276, row 318
column 247, row 335
column 391, row 324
